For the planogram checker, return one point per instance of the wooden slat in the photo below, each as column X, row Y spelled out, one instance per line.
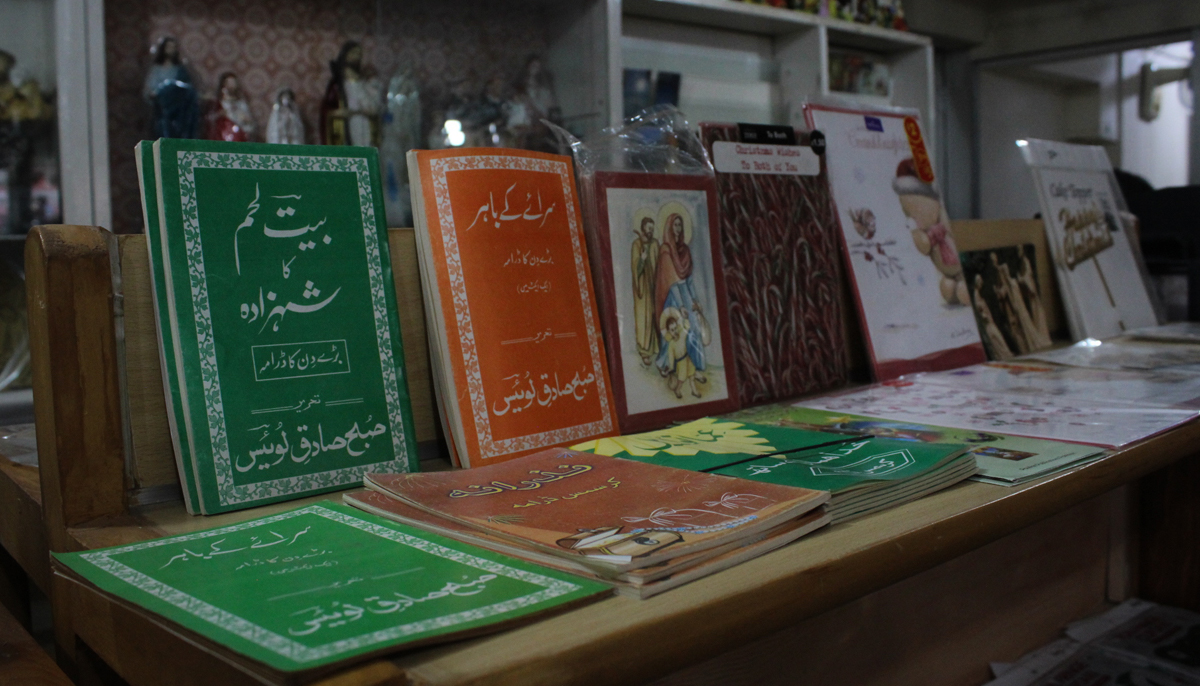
column 22, row 526
column 942, row 626
column 411, row 306
column 75, row 379
column 153, row 456
column 1170, row 528
column 984, row 234
column 22, row 660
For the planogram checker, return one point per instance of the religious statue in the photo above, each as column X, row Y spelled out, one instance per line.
column 26, row 133
column 534, row 101
column 401, row 133
column 229, row 118
column 285, row 125
column 350, row 110
column 171, row 92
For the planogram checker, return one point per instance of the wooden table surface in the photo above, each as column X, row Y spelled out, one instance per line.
column 623, row 640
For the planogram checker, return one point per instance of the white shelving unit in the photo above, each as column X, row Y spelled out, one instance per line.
column 739, row 61
column 757, row 52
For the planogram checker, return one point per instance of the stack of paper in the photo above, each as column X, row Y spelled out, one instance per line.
column 643, row 527
column 1001, row 459
column 1137, row 642
column 1093, row 421
column 865, row 475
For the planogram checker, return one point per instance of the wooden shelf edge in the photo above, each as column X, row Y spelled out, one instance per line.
column 762, row 596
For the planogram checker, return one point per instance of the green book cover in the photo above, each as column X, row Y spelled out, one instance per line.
column 144, row 154
column 1002, row 459
column 709, row 443
column 279, row 293
column 846, row 466
column 325, row 583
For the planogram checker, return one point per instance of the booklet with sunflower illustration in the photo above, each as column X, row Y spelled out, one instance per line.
column 282, row 356
column 297, row 594
column 598, row 510
column 656, row 256
column 709, row 443
column 518, row 356
column 912, row 298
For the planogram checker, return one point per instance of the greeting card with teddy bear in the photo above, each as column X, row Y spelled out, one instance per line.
column 912, row 298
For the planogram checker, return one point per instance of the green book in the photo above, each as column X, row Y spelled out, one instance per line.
column 1002, row 459
column 847, row 466
column 283, row 357
column 324, row 585
column 710, row 443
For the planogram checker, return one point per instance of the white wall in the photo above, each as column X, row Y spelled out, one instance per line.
column 27, row 31
column 1157, row 150
column 1009, row 109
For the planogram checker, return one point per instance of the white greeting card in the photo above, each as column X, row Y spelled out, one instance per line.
column 912, row 297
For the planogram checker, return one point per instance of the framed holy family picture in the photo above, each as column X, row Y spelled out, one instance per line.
column 661, row 288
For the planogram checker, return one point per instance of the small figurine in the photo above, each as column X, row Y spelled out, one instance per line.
column 534, row 101
column 352, row 100
column 26, row 137
column 285, row 125
column 171, row 92
column 229, row 118
column 401, row 133
column 931, row 230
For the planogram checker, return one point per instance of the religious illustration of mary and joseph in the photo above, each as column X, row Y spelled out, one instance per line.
column 669, row 323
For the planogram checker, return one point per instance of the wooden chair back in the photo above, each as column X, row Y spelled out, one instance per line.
column 103, row 436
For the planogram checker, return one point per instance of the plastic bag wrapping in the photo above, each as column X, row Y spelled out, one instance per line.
column 656, row 140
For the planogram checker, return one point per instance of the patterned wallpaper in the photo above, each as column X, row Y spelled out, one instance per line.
column 272, row 44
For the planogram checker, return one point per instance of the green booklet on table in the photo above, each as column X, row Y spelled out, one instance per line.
column 710, row 443
column 866, row 474
column 1002, row 459
column 282, row 354
column 299, row 593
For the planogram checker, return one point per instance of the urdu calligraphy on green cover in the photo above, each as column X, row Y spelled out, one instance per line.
column 324, row 583
column 288, row 337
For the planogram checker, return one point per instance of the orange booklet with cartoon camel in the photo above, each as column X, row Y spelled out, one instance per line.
column 601, row 511
column 518, row 358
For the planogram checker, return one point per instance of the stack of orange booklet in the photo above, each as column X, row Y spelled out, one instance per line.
column 642, row 527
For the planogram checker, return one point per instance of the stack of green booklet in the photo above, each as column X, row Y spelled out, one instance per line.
column 298, row 594
column 282, row 359
column 864, row 475
column 708, row 444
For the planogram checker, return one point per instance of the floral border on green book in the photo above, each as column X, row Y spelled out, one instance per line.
column 231, row 493
column 286, row 647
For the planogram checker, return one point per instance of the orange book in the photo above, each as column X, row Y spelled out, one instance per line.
column 519, row 362
column 599, row 510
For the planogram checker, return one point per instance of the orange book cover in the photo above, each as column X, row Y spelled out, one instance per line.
column 624, row 513
column 510, row 299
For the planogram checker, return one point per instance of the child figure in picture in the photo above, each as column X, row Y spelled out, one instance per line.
column 680, row 369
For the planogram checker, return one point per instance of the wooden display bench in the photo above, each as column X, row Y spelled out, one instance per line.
column 100, row 415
